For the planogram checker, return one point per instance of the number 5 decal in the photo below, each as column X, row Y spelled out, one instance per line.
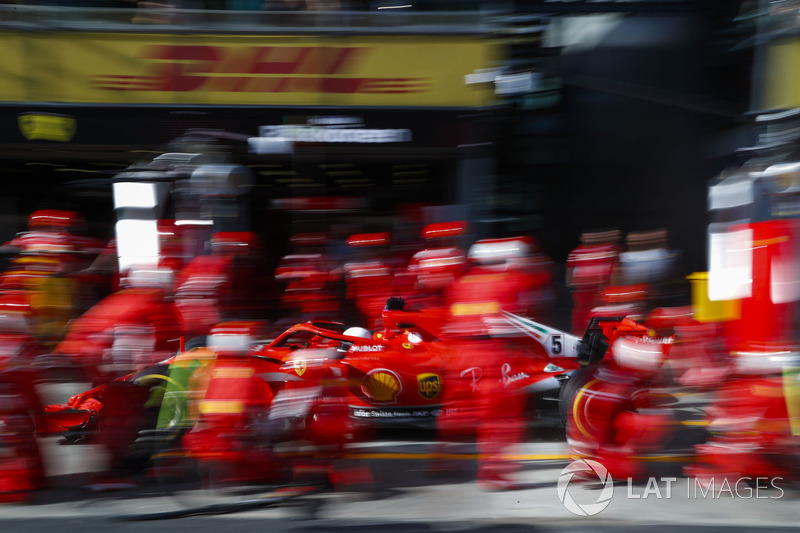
column 556, row 346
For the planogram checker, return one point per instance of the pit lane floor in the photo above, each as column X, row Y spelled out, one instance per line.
column 406, row 494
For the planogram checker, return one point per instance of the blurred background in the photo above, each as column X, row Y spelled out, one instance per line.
column 624, row 158
column 539, row 118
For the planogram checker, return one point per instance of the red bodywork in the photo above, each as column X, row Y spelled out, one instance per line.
column 317, row 382
column 398, row 375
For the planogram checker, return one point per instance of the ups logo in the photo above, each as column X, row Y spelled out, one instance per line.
column 428, row 385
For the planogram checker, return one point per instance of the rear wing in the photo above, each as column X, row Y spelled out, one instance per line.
column 588, row 350
column 556, row 342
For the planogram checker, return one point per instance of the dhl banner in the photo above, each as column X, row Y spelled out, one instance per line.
column 162, row 69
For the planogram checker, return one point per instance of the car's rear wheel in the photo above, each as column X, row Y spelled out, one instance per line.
column 570, row 389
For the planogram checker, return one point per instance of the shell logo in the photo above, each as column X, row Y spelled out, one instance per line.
column 381, row 385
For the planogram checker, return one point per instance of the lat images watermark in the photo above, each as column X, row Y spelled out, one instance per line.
column 592, row 502
column 743, row 488
column 586, row 468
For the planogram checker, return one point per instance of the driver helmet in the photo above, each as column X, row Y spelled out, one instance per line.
column 500, row 251
column 358, row 332
column 640, row 354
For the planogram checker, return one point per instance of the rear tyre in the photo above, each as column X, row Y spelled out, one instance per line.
column 570, row 389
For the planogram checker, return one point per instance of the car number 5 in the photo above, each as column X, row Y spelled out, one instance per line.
column 556, row 346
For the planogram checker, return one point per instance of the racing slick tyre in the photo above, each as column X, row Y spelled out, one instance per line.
column 570, row 388
column 196, row 342
column 129, row 411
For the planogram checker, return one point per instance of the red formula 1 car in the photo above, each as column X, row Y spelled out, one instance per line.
column 322, row 382
column 397, row 374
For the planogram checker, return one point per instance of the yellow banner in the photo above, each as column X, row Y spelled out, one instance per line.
column 46, row 126
column 782, row 75
column 119, row 68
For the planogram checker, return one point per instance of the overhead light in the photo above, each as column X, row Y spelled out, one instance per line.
column 131, row 194
column 194, row 222
column 137, row 243
column 270, row 145
column 520, row 83
column 482, row 75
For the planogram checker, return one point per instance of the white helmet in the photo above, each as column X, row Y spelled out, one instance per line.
column 497, row 251
column 139, row 276
column 358, row 332
column 639, row 354
column 763, row 361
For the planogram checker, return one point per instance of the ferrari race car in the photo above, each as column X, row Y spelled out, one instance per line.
column 398, row 373
column 317, row 381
